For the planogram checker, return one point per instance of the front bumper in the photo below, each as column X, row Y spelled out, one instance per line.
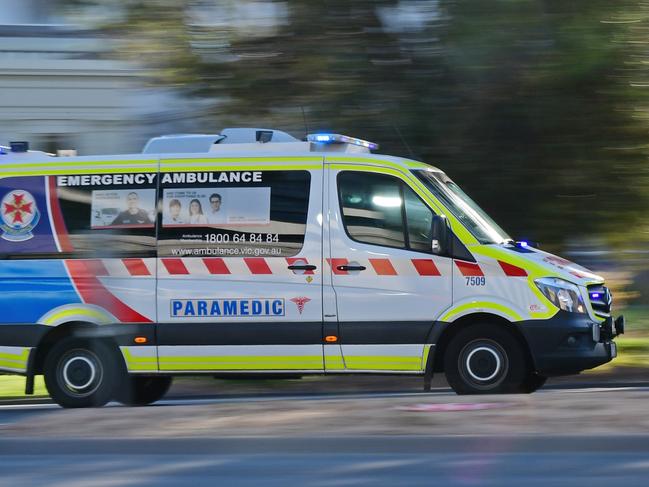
column 565, row 343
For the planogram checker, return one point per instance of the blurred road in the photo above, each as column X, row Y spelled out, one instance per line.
column 320, row 462
column 563, row 435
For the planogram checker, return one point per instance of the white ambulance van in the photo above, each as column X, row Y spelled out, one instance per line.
column 254, row 252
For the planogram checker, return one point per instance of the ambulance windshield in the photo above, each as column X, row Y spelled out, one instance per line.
column 462, row 207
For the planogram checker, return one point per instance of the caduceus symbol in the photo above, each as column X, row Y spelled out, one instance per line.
column 300, row 302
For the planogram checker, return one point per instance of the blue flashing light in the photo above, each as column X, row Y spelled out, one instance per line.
column 324, row 138
column 341, row 139
column 594, row 295
column 523, row 244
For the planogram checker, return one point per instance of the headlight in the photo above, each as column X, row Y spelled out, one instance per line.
column 563, row 294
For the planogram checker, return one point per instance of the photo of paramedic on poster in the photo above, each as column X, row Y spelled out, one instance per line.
column 173, row 213
column 116, row 208
column 196, row 216
column 227, row 206
column 214, row 214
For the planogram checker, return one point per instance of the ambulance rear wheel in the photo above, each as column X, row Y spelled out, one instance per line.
column 142, row 390
column 80, row 373
column 485, row 359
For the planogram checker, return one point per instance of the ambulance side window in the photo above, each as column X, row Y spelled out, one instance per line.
column 233, row 213
column 106, row 217
column 382, row 210
column 78, row 216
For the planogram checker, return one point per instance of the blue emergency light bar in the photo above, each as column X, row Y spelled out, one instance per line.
column 340, row 139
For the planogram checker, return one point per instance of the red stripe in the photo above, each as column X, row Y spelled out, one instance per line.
column 257, row 265
column 92, row 291
column 334, row 263
column 175, row 266
column 426, row 267
column 469, row 268
column 216, row 266
column 136, row 267
column 383, row 267
column 512, row 270
column 57, row 217
column 95, row 267
column 293, row 260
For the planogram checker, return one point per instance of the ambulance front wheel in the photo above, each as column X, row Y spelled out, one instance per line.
column 533, row 382
column 142, row 390
column 81, row 373
column 485, row 359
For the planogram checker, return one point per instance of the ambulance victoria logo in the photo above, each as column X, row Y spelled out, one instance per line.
column 300, row 301
column 19, row 216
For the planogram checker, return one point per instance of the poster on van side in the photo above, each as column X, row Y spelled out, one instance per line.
column 120, row 208
column 210, row 206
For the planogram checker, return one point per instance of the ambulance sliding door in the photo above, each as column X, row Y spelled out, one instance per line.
column 240, row 269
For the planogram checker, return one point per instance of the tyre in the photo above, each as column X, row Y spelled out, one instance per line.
column 485, row 359
column 533, row 382
column 81, row 373
column 142, row 390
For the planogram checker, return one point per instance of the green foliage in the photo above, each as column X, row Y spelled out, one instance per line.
column 538, row 108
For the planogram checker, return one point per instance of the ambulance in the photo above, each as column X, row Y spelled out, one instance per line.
column 250, row 251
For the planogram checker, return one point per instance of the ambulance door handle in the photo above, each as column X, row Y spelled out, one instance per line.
column 305, row 267
column 351, row 267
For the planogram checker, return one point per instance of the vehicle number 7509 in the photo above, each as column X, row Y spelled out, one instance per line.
column 475, row 281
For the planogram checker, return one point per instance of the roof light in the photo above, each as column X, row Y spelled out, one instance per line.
column 341, row 139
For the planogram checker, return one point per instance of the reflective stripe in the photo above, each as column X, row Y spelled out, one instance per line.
column 383, row 363
column 14, row 359
column 333, row 357
column 469, row 269
column 243, row 357
column 480, row 306
column 52, row 171
column 511, row 270
column 384, row 357
column 58, row 163
column 243, row 362
column 175, row 266
column 76, row 312
column 140, row 358
column 388, row 267
column 533, row 268
column 205, row 266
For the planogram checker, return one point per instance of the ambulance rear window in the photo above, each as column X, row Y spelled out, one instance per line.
column 78, row 216
column 233, row 213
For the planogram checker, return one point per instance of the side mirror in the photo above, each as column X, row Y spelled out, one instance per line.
column 440, row 235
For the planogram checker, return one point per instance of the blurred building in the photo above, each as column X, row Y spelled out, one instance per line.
column 60, row 88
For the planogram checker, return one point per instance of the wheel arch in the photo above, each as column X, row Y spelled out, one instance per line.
column 449, row 330
column 80, row 329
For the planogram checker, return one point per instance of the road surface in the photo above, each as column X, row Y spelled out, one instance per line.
column 581, row 435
